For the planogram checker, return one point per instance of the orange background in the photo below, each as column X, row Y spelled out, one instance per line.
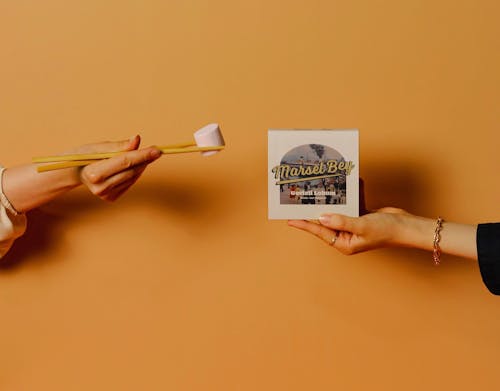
column 184, row 284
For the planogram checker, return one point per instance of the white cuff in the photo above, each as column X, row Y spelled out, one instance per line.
column 3, row 198
column 12, row 223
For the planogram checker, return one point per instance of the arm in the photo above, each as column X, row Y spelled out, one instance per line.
column 456, row 239
column 27, row 189
column 391, row 227
column 22, row 188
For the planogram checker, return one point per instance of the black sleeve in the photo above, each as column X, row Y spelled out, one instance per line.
column 488, row 254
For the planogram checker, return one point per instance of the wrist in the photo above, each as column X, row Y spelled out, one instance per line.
column 62, row 179
column 414, row 231
column 27, row 189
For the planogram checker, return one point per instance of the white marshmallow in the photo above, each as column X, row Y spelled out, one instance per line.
column 209, row 136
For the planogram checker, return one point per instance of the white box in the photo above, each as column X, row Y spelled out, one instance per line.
column 312, row 171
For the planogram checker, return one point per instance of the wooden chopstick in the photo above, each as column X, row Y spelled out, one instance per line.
column 79, row 160
column 60, row 165
column 102, row 155
column 169, row 151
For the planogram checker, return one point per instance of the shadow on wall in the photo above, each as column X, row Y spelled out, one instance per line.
column 406, row 185
column 387, row 184
column 397, row 184
column 46, row 225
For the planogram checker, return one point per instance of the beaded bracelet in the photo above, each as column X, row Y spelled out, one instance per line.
column 436, row 253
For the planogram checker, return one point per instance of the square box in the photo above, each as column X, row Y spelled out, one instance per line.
column 312, row 171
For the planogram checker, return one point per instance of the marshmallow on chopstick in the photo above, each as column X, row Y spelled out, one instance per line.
column 208, row 139
column 209, row 136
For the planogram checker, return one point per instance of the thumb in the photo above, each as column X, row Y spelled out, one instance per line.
column 340, row 222
column 112, row 146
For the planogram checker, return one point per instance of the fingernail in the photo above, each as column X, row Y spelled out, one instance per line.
column 324, row 219
column 155, row 153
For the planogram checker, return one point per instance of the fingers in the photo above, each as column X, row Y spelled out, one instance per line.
column 316, row 229
column 110, row 178
column 114, row 183
column 342, row 223
column 340, row 240
column 119, row 190
column 98, row 172
column 110, row 146
column 133, row 143
column 117, row 180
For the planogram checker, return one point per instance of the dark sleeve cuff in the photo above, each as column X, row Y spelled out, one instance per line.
column 488, row 255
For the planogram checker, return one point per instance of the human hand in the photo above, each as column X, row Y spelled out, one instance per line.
column 384, row 227
column 110, row 178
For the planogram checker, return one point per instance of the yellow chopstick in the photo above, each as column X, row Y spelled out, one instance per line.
column 169, row 151
column 58, row 166
column 79, row 160
column 102, row 155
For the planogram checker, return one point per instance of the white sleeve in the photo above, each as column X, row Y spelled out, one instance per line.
column 12, row 223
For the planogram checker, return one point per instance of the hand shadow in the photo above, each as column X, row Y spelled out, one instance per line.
column 41, row 231
column 390, row 183
column 46, row 225
column 402, row 186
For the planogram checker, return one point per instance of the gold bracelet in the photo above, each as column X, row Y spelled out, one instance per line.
column 436, row 253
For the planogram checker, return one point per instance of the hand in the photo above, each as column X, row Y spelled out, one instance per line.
column 357, row 234
column 110, row 178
